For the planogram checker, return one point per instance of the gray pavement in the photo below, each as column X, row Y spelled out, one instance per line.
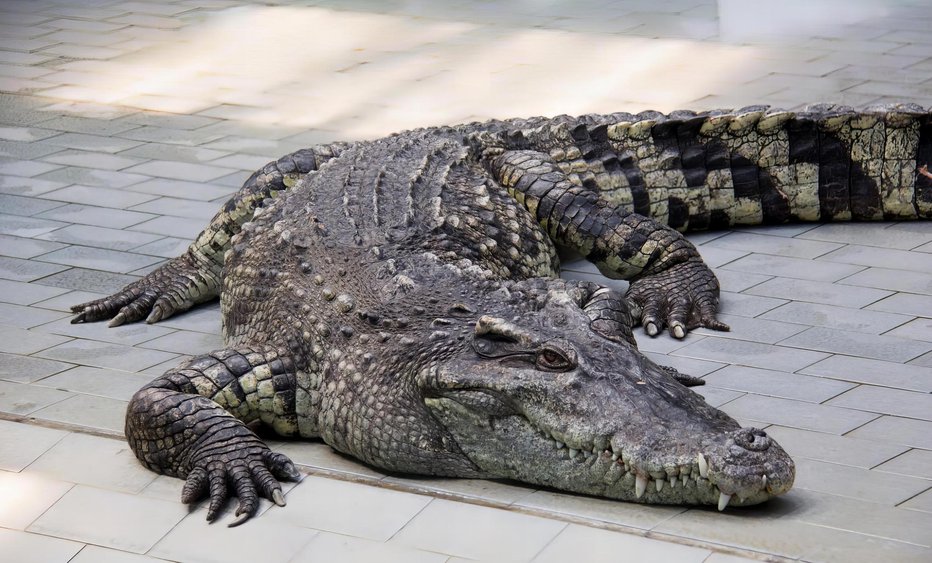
column 125, row 124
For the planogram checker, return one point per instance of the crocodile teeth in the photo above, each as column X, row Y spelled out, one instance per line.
column 559, row 444
column 683, row 478
column 573, row 453
column 764, row 482
column 614, row 457
column 723, row 501
column 673, row 482
column 640, row 485
column 703, row 466
column 660, row 483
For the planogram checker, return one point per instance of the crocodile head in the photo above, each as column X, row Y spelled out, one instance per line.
column 545, row 396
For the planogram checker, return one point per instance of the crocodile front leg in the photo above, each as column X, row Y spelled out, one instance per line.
column 670, row 283
column 194, row 277
column 191, row 423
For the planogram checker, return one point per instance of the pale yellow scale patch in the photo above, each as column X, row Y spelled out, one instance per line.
column 899, row 170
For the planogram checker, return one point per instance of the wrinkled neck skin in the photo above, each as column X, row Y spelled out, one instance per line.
column 540, row 397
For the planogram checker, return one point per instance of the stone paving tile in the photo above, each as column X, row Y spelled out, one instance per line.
column 924, row 360
column 17, row 205
column 107, row 525
column 96, row 554
column 752, row 354
column 27, row 369
column 89, row 177
column 183, row 190
column 16, row 398
column 915, row 462
column 21, row 150
column 603, row 510
column 874, row 372
column 780, row 246
column 917, row 329
column 691, row 366
column 18, row 247
column 104, row 463
column 842, row 318
column 886, row 401
column 16, row 185
column 27, row 226
column 80, row 278
column 99, row 259
column 819, row 292
column 777, row 384
column 879, row 257
column 96, row 216
column 172, row 226
column 168, row 135
column 717, row 396
column 717, row 257
column 101, row 237
column 30, row 494
column 185, row 342
column 791, row 267
column 26, row 168
column 867, row 234
column 797, row 414
column 908, row 304
column 203, row 211
column 318, row 455
column 129, row 334
column 856, row 482
column 21, row 444
column 21, row 293
column 888, row 348
column 334, row 506
column 83, row 141
column 180, row 170
column 98, row 196
column 18, row 341
column 168, row 247
column 864, row 517
column 508, row 535
column 176, row 153
column 25, row 133
column 105, row 355
column 755, row 330
column 336, row 548
column 202, row 318
column 192, row 541
column 896, row 280
column 20, row 546
column 738, row 281
column 87, row 411
column 744, row 305
column 90, row 159
column 907, row 431
column 108, row 383
column 16, row 269
column 604, row 546
column 921, row 502
column 77, row 124
column 843, row 450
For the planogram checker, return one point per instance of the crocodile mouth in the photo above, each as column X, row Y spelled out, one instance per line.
column 718, row 470
column 698, row 479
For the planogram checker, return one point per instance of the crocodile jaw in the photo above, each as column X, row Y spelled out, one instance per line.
column 513, row 447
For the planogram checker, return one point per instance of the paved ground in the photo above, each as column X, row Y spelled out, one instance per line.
column 124, row 124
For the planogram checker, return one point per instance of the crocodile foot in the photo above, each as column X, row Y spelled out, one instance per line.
column 174, row 287
column 681, row 297
column 250, row 471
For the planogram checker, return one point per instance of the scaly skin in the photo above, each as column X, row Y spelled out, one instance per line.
column 396, row 298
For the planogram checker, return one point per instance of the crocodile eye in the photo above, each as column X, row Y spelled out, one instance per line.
column 549, row 359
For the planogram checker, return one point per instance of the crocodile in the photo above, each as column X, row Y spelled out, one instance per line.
column 399, row 299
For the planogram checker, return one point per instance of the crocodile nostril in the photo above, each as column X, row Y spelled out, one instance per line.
column 752, row 439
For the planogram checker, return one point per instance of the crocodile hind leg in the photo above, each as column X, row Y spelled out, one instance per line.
column 194, row 277
column 191, row 423
column 670, row 284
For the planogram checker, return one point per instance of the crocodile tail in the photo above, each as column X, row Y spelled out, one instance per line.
column 756, row 165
